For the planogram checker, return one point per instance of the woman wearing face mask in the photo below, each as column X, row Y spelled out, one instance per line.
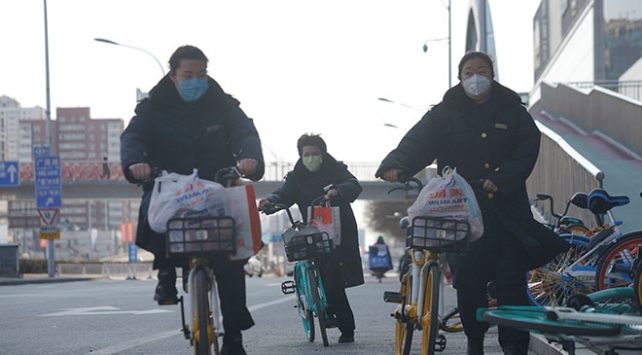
column 314, row 173
column 482, row 129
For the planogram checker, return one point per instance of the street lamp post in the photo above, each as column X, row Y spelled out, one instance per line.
column 51, row 267
column 132, row 47
column 449, row 38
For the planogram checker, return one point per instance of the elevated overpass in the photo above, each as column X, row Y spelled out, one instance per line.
column 85, row 181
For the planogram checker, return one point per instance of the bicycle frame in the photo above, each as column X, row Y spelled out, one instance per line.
column 421, row 261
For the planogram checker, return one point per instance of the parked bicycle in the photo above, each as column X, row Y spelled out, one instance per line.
column 594, row 320
column 418, row 298
column 202, row 239
column 565, row 223
column 303, row 243
column 602, row 261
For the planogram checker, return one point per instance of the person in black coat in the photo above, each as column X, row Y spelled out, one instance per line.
column 482, row 129
column 189, row 123
column 313, row 172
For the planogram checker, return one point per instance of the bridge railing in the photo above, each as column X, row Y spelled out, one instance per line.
column 95, row 170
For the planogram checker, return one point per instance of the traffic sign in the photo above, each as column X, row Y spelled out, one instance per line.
column 41, row 151
column 132, row 250
column 48, row 182
column 49, row 232
column 9, row 173
column 48, row 216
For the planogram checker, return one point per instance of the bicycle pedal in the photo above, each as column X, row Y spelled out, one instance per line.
column 392, row 297
column 288, row 287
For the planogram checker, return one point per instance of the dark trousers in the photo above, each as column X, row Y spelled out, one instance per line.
column 335, row 291
column 230, row 277
column 493, row 257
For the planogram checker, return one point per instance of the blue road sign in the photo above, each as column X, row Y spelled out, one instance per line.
column 9, row 174
column 41, row 151
column 48, row 182
column 132, row 251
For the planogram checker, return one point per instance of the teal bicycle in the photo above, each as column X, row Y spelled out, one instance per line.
column 304, row 243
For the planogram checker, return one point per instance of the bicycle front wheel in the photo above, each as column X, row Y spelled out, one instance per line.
column 615, row 268
column 536, row 318
column 430, row 316
column 202, row 331
column 547, row 284
column 637, row 285
column 305, row 312
column 404, row 326
column 316, row 295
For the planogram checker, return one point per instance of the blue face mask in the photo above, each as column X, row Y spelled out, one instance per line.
column 192, row 89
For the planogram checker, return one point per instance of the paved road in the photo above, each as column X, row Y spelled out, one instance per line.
column 118, row 317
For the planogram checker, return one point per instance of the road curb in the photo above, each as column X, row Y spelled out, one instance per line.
column 39, row 280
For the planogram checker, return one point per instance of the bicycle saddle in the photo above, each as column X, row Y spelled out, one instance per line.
column 580, row 200
column 600, row 202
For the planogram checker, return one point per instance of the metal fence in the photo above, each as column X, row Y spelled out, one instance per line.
column 629, row 88
column 561, row 174
column 131, row 270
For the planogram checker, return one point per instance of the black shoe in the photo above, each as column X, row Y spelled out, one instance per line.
column 165, row 293
column 331, row 322
column 475, row 347
column 347, row 337
column 232, row 346
column 514, row 349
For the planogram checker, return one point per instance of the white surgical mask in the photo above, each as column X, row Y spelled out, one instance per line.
column 477, row 85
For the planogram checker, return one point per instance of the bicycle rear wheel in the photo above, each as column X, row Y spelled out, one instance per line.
column 615, row 268
column 536, row 318
column 451, row 322
column 430, row 317
column 548, row 286
column 201, row 322
column 317, row 295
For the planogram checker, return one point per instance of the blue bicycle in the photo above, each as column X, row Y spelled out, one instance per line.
column 304, row 243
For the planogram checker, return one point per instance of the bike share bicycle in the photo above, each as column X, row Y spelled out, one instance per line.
column 418, row 298
column 303, row 243
column 602, row 261
column 201, row 239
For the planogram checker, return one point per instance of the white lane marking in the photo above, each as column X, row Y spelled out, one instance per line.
column 114, row 349
column 95, row 311
column 271, row 303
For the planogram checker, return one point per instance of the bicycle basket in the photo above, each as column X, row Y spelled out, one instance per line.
column 438, row 234
column 200, row 236
column 305, row 243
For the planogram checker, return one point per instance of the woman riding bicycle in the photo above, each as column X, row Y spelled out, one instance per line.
column 482, row 129
column 315, row 172
column 189, row 123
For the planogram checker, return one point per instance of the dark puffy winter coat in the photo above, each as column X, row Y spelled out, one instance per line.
column 302, row 186
column 171, row 134
column 495, row 140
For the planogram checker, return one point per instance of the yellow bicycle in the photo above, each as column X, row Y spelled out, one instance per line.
column 200, row 240
column 418, row 298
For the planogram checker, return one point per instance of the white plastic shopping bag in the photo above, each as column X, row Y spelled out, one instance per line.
column 449, row 196
column 184, row 195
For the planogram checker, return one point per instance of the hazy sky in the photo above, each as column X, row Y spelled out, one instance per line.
column 296, row 65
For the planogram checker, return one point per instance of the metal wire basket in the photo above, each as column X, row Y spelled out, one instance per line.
column 200, row 236
column 307, row 246
column 438, row 234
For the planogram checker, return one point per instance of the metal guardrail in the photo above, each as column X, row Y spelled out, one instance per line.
column 629, row 88
column 131, row 270
column 563, row 173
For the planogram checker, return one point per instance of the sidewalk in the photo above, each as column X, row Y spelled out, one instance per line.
column 44, row 278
